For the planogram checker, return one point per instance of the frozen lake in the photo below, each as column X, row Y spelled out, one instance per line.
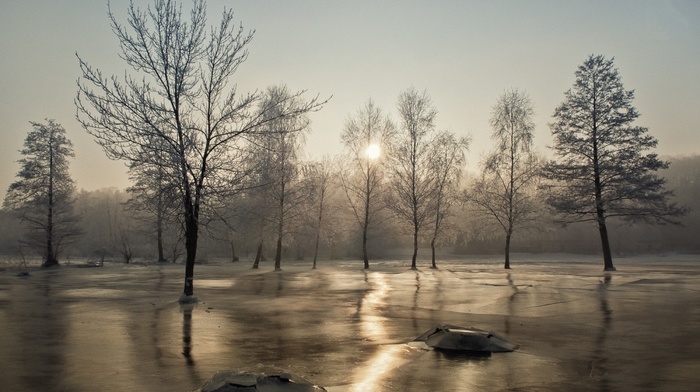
column 120, row 328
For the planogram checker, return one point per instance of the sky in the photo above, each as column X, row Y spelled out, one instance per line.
column 464, row 54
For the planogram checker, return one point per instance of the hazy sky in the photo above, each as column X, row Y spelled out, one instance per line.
column 464, row 53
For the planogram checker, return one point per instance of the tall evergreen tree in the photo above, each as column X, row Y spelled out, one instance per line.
column 44, row 194
column 603, row 168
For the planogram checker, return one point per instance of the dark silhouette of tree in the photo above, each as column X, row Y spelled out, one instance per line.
column 447, row 158
column 411, row 183
column 509, row 176
column 603, row 169
column 364, row 137
column 44, row 194
column 180, row 93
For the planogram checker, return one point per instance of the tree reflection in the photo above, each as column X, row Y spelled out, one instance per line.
column 187, row 333
column 599, row 361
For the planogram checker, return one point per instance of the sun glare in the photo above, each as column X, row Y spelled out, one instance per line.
column 373, row 151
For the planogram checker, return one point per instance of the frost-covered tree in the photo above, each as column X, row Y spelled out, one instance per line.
column 283, row 139
column 43, row 195
column 411, row 182
column 322, row 174
column 505, row 190
column 364, row 137
column 154, row 196
column 447, row 158
column 603, row 167
column 180, row 92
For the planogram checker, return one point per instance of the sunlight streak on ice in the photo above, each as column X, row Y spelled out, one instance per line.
column 370, row 375
column 371, row 323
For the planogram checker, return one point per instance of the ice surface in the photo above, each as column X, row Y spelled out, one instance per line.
column 121, row 327
column 261, row 381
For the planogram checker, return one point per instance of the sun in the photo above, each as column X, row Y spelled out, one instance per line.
column 373, row 151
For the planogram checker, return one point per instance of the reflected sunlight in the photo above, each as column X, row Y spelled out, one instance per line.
column 369, row 377
column 371, row 322
column 372, row 327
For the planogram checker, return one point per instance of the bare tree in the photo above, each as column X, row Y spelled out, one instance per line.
column 256, row 199
column 603, row 169
column 506, row 188
column 283, row 140
column 363, row 137
column 101, row 213
column 261, row 220
column 322, row 174
column 154, row 197
column 182, row 96
column 44, row 194
column 411, row 183
column 447, row 158
column 124, row 244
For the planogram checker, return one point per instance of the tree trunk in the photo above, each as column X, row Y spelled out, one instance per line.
column 278, row 254
column 50, row 255
column 191, row 236
column 511, row 191
column 507, row 262
column 320, row 222
column 161, row 252
column 159, row 236
column 280, row 225
column 364, row 247
column 607, row 254
column 436, row 229
column 366, row 225
column 258, row 255
column 318, row 234
column 234, row 258
column 318, row 228
column 159, row 217
column 415, row 248
column 191, row 250
column 600, row 208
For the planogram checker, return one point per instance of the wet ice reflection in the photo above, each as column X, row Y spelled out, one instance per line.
column 372, row 328
column 599, row 360
column 187, row 332
column 100, row 344
column 371, row 320
column 215, row 283
column 371, row 374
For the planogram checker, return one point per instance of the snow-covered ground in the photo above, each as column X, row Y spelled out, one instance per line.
column 119, row 327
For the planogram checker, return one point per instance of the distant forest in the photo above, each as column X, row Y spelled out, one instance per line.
column 113, row 231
